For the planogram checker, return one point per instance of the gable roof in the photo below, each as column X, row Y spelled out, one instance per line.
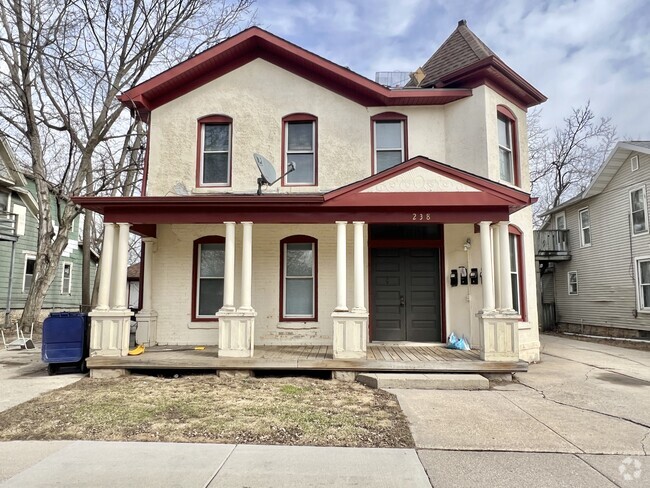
column 613, row 163
column 254, row 43
column 9, row 171
column 464, row 61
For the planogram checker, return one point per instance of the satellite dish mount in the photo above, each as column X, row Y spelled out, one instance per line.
column 267, row 172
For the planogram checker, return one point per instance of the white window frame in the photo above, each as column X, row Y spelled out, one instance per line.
column 385, row 149
column 645, row 211
column 198, row 281
column 569, row 282
column 202, row 160
column 558, row 215
column 639, row 295
column 582, row 229
column 514, row 248
column 510, row 149
column 287, row 277
column 634, row 163
column 287, row 152
column 27, row 258
column 63, row 266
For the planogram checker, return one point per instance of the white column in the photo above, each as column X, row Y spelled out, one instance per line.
column 247, row 267
column 106, row 266
column 486, row 258
column 229, row 271
column 146, row 279
column 341, row 265
column 119, row 281
column 504, row 266
column 495, row 264
column 359, row 289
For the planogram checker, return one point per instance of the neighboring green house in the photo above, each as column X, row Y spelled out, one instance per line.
column 19, row 224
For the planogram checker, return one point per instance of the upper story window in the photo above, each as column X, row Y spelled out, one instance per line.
column 508, row 154
column 389, row 140
column 585, row 228
column 208, row 277
column 299, row 142
column 639, row 212
column 634, row 162
column 215, row 151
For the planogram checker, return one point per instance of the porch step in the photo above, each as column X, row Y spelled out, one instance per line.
column 424, row 381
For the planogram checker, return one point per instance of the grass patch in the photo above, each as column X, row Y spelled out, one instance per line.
column 290, row 411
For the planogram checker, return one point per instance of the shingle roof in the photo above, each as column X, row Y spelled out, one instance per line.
column 645, row 144
column 462, row 48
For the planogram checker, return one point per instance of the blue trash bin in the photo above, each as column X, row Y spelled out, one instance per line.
column 66, row 340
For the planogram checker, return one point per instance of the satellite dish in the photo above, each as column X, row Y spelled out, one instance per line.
column 267, row 172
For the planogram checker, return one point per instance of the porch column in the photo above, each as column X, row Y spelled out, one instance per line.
column 341, row 265
column 486, row 258
column 106, row 265
column 359, row 289
column 119, row 282
column 229, row 270
column 495, row 264
column 147, row 318
column 504, row 265
column 247, row 267
column 148, row 263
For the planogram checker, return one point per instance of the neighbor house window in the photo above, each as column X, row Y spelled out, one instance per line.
column 516, row 271
column 209, row 265
column 214, row 147
column 639, row 213
column 298, row 278
column 572, row 277
column 300, row 148
column 634, row 162
column 643, row 283
column 66, row 279
column 389, row 136
column 28, row 275
column 507, row 135
column 585, row 228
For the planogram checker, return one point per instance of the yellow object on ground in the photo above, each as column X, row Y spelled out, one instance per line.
column 136, row 351
column 199, row 348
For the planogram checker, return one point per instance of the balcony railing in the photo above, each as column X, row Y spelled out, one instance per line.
column 552, row 243
column 8, row 225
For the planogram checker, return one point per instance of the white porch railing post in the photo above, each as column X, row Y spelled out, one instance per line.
column 106, row 266
column 341, row 266
column 504, row 265
column 247, row 267
column 229, row 270
column 486, row 258
column 359, row 289
column 119, row 281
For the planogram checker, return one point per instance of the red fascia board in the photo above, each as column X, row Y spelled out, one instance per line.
column 419, row 199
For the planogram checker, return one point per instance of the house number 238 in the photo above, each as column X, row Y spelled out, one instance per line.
column 417, row 216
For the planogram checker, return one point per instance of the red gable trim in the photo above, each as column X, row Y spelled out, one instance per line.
column 255, row 42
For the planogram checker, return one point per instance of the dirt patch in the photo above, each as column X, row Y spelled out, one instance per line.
column 295, row 411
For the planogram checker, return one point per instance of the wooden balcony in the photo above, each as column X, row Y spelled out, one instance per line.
column 8, row 226
column 552, row 245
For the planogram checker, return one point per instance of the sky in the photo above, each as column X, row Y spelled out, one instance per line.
column 572, row 51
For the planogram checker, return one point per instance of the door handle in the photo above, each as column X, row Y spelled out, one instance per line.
column 402, row 302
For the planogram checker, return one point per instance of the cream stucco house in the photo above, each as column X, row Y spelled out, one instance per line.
column 407, row 216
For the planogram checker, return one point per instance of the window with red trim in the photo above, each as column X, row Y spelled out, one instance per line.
column 300, row 147
column 207, row 277
column 509, row 170
column 516, row 272
column 298, row 278
column 214, row 149
column 389, row 135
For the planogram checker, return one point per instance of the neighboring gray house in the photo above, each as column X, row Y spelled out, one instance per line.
column 19, row 229
column 594, row 252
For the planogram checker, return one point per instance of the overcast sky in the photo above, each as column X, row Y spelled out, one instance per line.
column 572, row 51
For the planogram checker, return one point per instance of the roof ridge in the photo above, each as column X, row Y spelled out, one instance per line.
column 468, row 36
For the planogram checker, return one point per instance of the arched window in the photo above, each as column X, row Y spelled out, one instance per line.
column 389, row 140
column 299, row 279
column 517, row 275
column 509, row 170
column 300, row 146
column 214, row 151
column 208, row 264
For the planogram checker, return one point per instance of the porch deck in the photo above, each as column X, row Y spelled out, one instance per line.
column 380, row 358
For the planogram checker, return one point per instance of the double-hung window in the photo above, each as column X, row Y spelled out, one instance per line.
column 300, row 148
column 215, row 140
column 299, row 271
column 514, row 272
column 389, row 131
column 66, row 279
column 507, row 137
column 638, row 211
column 28, row 275
column 643, row 283
column 585, row 227
column 572, row 278
column 209, row 266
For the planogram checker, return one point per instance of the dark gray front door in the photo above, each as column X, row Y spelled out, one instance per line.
column 406, row 294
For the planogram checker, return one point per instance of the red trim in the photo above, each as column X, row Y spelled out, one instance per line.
column 514, row 136
column 299, row 117
column 195, row 276
column 387, row 117
column 521, row 270
column 298, row 239
column 214, row 119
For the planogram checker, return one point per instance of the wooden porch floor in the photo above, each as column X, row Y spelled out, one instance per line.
column 380, row 357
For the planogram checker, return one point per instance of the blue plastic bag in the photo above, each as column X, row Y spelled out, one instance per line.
column 454, row 342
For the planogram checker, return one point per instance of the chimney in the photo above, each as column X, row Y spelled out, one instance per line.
column 462, row 22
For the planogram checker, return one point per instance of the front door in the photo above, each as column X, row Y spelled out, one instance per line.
column 405, row 294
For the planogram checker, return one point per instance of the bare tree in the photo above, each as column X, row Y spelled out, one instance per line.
column 564, row 160
column 66, row 62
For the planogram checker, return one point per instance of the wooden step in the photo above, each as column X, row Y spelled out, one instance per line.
column 424, row 381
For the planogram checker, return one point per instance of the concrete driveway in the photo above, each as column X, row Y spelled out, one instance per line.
column 581, row 417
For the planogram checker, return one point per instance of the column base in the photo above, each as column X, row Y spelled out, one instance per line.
column 499, row 335
column 146, row 332
column 350, row 335
column 109, row 332
column 236, row 334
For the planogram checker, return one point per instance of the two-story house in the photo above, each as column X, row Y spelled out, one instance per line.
column 599, row 241
column 407, row 215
